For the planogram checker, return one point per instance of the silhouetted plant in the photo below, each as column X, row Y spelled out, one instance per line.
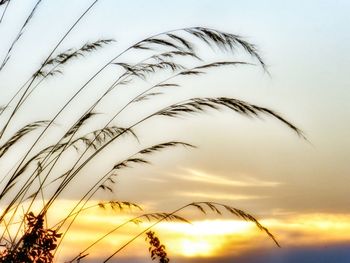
column 33, row 239
column 156, row 249
column 36, row 245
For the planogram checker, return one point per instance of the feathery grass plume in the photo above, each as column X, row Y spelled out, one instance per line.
column 173, row 54
column 25, row 92
column 100, row 184
column 222, row 63
column 174, row 41
column 20, row 134
column 196, row 105
column 137, row 221
column 101, row 136
column 51, row 149
column 187, row 44
column 76, row 94
column 126, row 163
column 215, row 207
column 146, row 94
column 203, row 207
column 31, row 81
column 53, row 66
column 225, row 41
column 109, row 131
column 119, row 205
column 95, row 142
column 68, row 55
column 90, row 139
column 39, row 164
column 94, row 139
column 163, row 216
column 191, row 106
column 83, row 119
column 162, row 42
column 20, row 33
column 144, row 69
column 230, row 39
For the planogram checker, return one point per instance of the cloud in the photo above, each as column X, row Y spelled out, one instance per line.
column 202, row 177
column 218, row 196
column 306, row 239
column 211, row 240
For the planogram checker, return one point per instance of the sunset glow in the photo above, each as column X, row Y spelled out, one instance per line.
column 222, row 126
column 204, row 238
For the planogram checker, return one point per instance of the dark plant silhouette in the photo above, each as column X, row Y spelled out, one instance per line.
column 156, row 249
column 36, row 245
column 36, row 181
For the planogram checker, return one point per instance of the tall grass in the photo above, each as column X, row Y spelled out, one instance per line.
column 46, row 168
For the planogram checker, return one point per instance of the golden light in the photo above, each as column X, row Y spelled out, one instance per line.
column 202, row 238
column 208, row 227
column 193, row 248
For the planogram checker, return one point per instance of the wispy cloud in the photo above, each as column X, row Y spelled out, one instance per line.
column 219, row 196
column 203, row 177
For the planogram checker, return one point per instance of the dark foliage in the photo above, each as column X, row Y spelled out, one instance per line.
column 156, row 249
column 36, row 245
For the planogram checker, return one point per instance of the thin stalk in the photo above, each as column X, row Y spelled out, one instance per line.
column 137, row 43
column 25, row 189
column 95, row 104
column 6, row 225
column 88, row 195
column 123, row 108
column 77, row 93
column 3, row 13
column 43, row 64
column 83, row 209
column 67, row 180
column 109, row 233
column 146, row 229
column 20, row 33
column 91, row 108
column 24, row 94
column 72, row 98
column 14, row 96
column 26, row 186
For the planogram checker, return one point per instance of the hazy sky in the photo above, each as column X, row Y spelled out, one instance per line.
column 258, row 165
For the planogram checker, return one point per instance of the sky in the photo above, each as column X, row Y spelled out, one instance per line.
column 298, row 188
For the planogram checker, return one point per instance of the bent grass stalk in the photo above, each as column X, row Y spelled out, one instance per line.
column 46, row 159
column 204, row 34
column 23, row 96
column 212, row 206
column 48, row 57
column 19, row 34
